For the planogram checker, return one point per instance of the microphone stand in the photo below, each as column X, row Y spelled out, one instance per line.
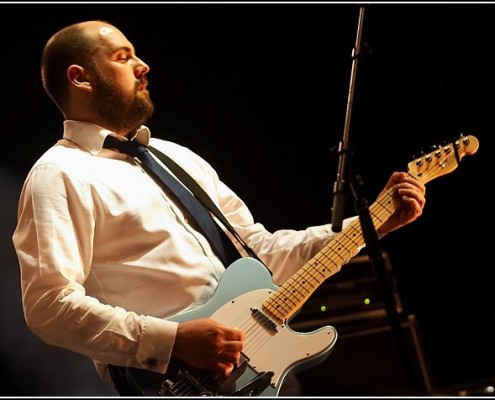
column 370, row 235
column 340, row 185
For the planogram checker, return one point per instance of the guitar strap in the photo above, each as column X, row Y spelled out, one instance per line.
column 202, row 196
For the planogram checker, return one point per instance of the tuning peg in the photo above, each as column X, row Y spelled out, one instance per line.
column 418, row 160
column 464, row 139
column 435, row 150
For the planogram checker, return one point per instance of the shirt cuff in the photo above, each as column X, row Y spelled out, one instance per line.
column 156, row 343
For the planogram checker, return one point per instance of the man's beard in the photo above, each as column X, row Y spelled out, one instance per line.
column 118, row 111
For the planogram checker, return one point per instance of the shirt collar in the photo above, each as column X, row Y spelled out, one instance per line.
column 90, row 136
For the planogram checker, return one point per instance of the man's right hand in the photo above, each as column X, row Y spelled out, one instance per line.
column 205, row 343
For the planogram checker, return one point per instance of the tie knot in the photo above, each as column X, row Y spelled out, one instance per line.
column 131, row 147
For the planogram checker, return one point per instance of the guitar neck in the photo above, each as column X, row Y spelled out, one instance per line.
column 291, row 296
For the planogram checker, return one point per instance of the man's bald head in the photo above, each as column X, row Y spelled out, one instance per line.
column 71, row 45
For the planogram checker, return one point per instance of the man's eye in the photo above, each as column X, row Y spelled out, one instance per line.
column 123, row 58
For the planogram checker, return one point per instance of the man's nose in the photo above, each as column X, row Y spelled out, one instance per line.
column 142, row 68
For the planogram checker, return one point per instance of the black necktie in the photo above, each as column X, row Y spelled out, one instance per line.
column 195, row 212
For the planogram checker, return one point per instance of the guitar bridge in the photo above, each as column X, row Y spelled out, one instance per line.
column 191, row 382
column 185, row 385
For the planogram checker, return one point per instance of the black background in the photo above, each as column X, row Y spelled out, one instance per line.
column 260, row 90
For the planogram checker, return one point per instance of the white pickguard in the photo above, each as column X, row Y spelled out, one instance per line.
column 273, row 351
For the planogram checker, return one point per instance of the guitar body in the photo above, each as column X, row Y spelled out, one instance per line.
column 271, row 349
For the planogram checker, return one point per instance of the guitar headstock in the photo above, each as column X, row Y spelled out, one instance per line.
column 444, row 159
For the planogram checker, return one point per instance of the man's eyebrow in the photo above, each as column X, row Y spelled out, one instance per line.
column 125, row 48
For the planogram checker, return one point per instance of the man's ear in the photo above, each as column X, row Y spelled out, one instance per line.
column 78, row 78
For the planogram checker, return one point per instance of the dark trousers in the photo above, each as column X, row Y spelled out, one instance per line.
column 120, row 381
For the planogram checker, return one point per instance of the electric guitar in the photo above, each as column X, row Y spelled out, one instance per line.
column 247, row 298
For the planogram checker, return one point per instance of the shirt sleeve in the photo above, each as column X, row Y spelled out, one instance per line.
column 54, row 243
column 283, row 251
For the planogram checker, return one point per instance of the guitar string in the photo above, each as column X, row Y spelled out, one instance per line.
column 379, row 213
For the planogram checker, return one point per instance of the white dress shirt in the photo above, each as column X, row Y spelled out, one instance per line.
column 105, row 256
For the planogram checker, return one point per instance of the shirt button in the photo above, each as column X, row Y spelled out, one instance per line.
column 186, row 221
column 152, row 362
